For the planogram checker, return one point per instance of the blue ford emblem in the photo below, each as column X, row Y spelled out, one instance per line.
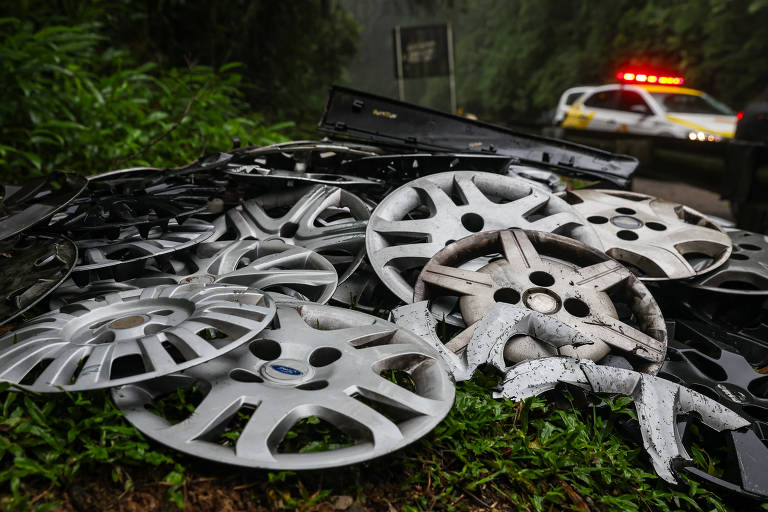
column 286, row 369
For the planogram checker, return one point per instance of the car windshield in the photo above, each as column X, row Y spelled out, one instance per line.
column 573, row 97
column 690, row 104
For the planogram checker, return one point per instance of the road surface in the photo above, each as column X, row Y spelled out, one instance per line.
column 705, row 201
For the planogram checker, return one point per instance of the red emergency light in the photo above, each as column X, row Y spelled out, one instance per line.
column 649, row 78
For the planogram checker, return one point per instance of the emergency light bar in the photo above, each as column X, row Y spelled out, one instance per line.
column 645, row 78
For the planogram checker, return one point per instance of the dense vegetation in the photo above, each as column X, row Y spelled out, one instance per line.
column 89, row 87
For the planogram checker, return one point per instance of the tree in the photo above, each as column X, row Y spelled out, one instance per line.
column 514, row 59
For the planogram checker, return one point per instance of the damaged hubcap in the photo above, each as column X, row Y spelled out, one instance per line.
column 576, row 285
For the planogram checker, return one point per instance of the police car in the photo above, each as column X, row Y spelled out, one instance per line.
column 646, row 104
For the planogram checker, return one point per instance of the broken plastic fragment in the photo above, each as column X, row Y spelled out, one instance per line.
column 658, row 402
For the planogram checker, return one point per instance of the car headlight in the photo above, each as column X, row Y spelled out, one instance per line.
column 704, row 136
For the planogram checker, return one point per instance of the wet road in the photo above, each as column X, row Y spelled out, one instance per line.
column 705, row 201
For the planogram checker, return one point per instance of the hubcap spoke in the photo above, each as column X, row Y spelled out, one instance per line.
column 216, row 409
column 622, row 336
column 266, row 427
column 602, row 276
column 465, row 282
column 518, row 249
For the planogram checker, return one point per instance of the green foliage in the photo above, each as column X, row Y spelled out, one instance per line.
column 176, row 479
column 291, row 51
column 55, row 438
column 74, row 103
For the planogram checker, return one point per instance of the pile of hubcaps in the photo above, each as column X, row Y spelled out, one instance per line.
column 212, row 281
column 417, row 220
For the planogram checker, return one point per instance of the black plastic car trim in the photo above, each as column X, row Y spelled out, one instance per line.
column 360, row 115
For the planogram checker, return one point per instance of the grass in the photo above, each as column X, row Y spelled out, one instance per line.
column 49, row 441
column 486, row 454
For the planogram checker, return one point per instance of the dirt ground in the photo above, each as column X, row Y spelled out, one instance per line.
column 700, row 199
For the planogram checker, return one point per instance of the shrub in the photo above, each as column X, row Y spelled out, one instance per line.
column 74, row 103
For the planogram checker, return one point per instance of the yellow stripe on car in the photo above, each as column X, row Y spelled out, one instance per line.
column 577, row 119
column 673, row 89
column 697, row 127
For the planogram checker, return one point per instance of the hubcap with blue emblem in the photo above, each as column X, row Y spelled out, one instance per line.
column 286, row 371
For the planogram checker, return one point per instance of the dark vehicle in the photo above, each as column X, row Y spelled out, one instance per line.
column 752, row 122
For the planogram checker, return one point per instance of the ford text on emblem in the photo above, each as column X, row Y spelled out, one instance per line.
column 285, row 369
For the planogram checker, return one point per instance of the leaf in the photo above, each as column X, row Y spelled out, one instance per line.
column 69, row 125
column 230, row 65
column 155, row 117
column 281, row 126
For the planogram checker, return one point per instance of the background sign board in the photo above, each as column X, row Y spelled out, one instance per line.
column 423, row 51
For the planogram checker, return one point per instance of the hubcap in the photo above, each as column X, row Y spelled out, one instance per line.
column 417, row 220
column 325, row 219
column 540, row 271
column 266, row 265
column 329, row 363
column 656, row 239
column 132, row 336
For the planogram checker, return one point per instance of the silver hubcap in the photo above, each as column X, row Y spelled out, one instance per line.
column 325, row 362
column 131, row 336
column 272, row 266
column 535, row 271
column 132, row 247
column 418, row 219
column 657, row 238
column 328, row 220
